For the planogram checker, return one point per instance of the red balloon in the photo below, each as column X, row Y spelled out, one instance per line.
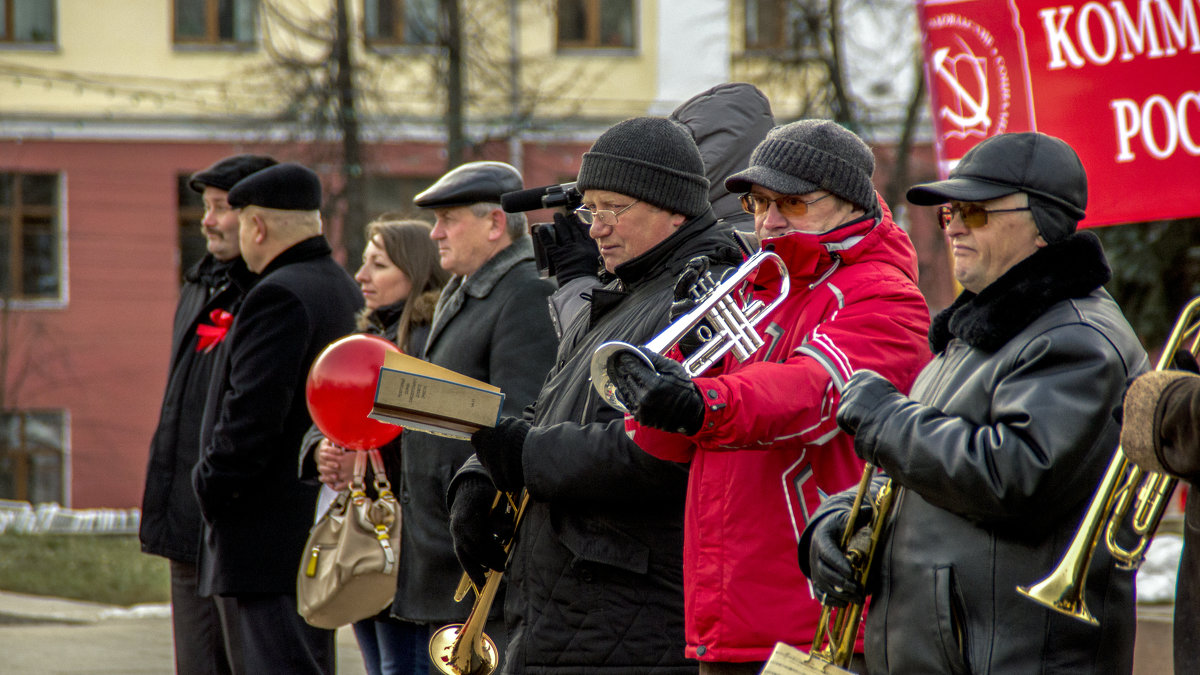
column 341, row 391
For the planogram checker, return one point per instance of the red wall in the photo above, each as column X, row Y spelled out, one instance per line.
column 103, row 356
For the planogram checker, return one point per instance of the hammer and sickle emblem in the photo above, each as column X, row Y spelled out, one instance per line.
column 972, row 114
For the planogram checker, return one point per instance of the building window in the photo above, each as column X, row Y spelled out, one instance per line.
column 394, row 195
column 212, row 22
column 780, row 26
column 32, row 447
column 26, row 20
column 400, row 22
column 30, row 240
column 192, row 245
column 595, row 24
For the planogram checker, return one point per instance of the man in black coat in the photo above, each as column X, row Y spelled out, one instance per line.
column 256, row 511
column 491, row 323
column 596, row 575
column 170, row 516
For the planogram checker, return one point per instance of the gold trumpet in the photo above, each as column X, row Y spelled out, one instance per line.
column 837, row 629
column 732, row 327
column 1125, row 489
column 463, row 648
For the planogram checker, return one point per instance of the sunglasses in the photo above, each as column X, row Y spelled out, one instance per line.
column 972, row 216
column 790, row 206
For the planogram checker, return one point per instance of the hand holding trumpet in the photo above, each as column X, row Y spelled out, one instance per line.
column 659, row 394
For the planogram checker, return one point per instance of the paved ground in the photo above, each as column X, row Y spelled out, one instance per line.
column 46, row 636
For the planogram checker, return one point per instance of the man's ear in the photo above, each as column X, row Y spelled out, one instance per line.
column 498, row 227
column 677, row 219
column 260, row 231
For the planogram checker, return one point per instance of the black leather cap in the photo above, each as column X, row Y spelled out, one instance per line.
column 471, row 183
column 1030, row 162
column 225, row 173
column 288, row 187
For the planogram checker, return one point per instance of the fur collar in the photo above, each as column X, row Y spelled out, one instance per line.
column 1072, row 268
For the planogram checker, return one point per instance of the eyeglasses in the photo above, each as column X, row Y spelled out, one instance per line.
column 972, row 216
column 605, row 216
column 790, row 206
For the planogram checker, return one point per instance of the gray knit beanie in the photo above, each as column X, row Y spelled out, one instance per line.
column 811, row 155
column 649, row 158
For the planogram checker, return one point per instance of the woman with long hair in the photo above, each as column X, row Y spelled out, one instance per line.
column 400, row 280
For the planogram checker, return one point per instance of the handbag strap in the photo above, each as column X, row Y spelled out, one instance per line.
column 382, row 485
column 358, row 481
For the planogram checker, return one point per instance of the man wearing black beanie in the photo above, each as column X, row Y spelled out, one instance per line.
column 170, row 524
column 594, row 579
column 257, row 512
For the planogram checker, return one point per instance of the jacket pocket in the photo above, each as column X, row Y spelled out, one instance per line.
column 950, row 620
column 593, row 540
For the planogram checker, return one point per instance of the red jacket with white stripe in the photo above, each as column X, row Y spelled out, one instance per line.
column 770, row 449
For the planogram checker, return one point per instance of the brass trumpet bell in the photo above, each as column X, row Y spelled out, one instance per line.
column 447, row 658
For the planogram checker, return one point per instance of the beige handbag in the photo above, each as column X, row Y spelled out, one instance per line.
column 349, row 568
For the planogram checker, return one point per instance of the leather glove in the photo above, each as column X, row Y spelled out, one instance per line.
column 827, row 565
column 690, row 287
column 663, row 397
column 478, row 538
column 860, row 397
column 570, row 250
column 499, row 449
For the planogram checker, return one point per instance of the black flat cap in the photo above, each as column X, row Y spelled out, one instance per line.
column 225, row 173
column 1029, row 161
column 471, row 183
column 288, row 187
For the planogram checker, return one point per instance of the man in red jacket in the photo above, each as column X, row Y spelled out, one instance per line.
column 760, row 434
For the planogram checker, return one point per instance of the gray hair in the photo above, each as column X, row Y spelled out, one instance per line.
column 517, row 222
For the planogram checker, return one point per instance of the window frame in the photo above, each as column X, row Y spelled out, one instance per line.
column 396, row 40
column 593, row 41
column 212, row 39
column 15, row 251
column 787, row 42
column 8, row 39
column 24, row 451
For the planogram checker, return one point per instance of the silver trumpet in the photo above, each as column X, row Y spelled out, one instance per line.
column 733, row 326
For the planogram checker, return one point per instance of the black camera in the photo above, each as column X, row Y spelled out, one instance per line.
column 563, row 195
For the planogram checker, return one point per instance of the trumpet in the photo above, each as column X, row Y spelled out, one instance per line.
column 463, row 648
column 1126, row 490
column 732, row 327
column 833, row 645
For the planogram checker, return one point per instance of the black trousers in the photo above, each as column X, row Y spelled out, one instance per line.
column 266, row 634
column 199, row 640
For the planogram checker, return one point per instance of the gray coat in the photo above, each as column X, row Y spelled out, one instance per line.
column 494, row 326
column 999, row 450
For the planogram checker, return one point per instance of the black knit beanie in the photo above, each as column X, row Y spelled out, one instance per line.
column 811, row 155
column 649, row 158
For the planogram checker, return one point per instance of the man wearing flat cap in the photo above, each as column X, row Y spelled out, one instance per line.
column 492, row 323
column 256, row 511
column 1002, row 441
column 170, row 525
column 760, row 434
column 595, row 583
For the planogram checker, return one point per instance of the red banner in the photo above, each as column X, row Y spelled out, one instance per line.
column 1119, row 81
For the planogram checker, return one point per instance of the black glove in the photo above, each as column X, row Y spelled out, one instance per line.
column 499, row 449
column 860, row 397
column 569, row 249
column 663, row 397
column 478, row 537
column 696, row 280
column 827, row 565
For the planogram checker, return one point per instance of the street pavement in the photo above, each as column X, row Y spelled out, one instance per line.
column 48, row 636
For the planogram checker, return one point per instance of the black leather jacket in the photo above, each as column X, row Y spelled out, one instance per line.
column 999, row 449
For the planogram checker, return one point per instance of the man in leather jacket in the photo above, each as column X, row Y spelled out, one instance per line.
column 1001, row 443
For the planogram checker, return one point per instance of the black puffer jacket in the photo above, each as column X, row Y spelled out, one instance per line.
column 596, row 580
column 999, row 450
column 170, row 524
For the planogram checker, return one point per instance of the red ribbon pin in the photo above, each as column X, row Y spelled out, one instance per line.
column 210, row 336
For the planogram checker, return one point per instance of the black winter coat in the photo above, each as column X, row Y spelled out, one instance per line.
column 256, row 510
column 495, row 327
column 170, row 524
column 999, row 450
column 596, row 580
